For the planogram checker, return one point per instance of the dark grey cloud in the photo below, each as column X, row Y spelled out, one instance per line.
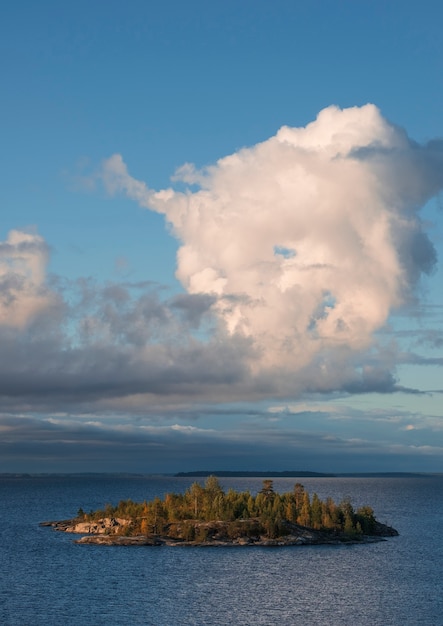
column 29, row 444
column 10, row 286
column 414, row 171
column 127, row 347
column 418, row 359
column 109, row 342
column 32, row 246
column 372, row 380
column 193, row 306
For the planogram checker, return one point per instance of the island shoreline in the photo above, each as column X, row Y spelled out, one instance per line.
column 209, row 516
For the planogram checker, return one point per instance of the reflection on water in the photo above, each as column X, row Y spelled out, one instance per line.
column 47, row 579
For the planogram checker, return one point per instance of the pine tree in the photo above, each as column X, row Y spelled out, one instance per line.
column 316, row 512
column 304, row 517
column 268, row 489
column 299, row 491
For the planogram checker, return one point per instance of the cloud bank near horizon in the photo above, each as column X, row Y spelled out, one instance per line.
column 262, row 441
column 293, row 254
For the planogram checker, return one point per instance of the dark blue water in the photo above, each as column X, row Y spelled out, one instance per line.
column 47, row 579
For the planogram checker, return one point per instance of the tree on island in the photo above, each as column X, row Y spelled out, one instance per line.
column 194, row 515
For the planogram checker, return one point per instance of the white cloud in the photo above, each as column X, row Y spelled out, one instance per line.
column 304, row 407
column 308, row 240
column 23, row 290
column 293, row 254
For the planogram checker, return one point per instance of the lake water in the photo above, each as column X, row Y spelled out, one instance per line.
column 47, row 579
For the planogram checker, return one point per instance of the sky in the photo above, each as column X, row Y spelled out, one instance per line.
column 221, row 236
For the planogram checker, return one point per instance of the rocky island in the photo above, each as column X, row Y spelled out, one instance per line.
column 206, row 515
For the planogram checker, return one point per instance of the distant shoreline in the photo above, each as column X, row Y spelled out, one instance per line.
column 298, row 474
column 223, row 474
column 254, row 474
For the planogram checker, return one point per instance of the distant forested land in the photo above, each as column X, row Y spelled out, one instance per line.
column 300, row 474
column 254, row 474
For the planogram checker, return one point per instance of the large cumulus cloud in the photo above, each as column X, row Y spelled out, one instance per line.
column 293, row 254
column 307, row 241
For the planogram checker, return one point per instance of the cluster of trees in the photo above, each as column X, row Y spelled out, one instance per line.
column 268, row 511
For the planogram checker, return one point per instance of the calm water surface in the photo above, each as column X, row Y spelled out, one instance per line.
column 47, row 579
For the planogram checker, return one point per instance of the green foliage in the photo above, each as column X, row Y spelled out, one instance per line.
column 304, row 517
column 267, row 513
column 268, row 490
column 316, row 512
column 188, row 531
column 365, row 517
column 201, row 533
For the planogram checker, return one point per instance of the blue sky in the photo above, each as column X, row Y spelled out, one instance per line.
column 221, row 236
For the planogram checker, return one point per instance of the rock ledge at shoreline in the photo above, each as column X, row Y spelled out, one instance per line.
column 114, row 532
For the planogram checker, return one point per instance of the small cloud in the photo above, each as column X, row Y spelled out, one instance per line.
column 24, row 293
column 189, row 430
